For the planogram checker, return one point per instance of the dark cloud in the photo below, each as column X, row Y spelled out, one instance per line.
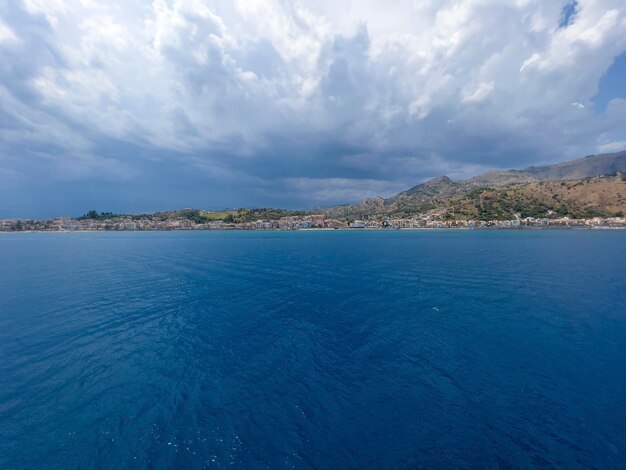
column 161, row 104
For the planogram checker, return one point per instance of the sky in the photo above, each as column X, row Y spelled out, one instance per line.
column 151, row 105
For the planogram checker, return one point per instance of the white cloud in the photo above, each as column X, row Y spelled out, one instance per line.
column 237, row 84
column 533, row 59
column 7, row 34
column 478, row 93
column 616, row 146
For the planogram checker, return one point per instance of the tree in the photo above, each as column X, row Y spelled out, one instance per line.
column 92, row 214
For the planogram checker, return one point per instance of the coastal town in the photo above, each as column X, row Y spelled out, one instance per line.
column 588, row 193
column 301, row 222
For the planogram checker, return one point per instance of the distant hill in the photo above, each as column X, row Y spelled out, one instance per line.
column 587, row 187
column 587, row 167
column 441, row 185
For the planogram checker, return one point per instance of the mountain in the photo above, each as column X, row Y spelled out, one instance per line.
column 587, row 187
column 587, row 167
column 441, row 184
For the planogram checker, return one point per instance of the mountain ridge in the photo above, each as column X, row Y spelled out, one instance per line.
column 585, row 167
column 589, row 186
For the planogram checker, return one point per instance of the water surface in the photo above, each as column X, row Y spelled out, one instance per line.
column 313, row 349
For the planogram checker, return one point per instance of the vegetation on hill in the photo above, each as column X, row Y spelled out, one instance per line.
column 593, row 186
column 602, row 196
column 251, row 215
column 194, row 215
column 95, row 215
column 199, row 216
column 587, row 167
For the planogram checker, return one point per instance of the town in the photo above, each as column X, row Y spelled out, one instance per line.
column 305, row 222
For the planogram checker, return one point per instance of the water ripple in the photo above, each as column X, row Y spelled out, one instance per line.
column 313, row 350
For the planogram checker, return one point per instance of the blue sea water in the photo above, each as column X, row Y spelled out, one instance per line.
column 398, row 349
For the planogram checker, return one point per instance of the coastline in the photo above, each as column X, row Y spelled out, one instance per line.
column 341, row 229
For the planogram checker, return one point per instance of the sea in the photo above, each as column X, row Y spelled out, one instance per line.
column 313, row 349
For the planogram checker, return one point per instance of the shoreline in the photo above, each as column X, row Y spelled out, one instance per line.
column 346, row 229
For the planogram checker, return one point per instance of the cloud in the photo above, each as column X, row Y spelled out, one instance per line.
column 314, row 101
column 613, row 146
column 478, row 93
column 7, row 34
